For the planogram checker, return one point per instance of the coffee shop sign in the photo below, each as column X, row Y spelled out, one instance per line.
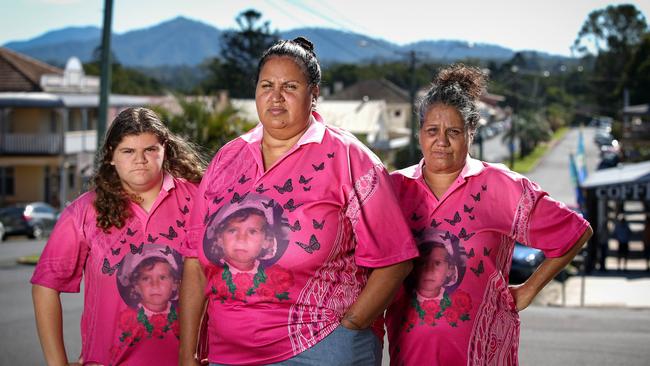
column 635, row 191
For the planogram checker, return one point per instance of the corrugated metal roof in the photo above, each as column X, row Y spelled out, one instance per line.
column 52, row 100
column 624, row 173
column 19, row 72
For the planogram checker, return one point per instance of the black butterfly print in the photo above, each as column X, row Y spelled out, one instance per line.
column 471, row 253
column 455, row 220
column 261, row 189
column 180, row 223
column 237, row 198
column 415, row 217
column 330, row 155
column 172, row 234
column 217, row 200
column 417, row 233
column 471, row 217
column 484, row 187
column 464, row 235
column 107, row 269
column 185, row 210
column 188, row 198
column 312, row 246
column 306, row 189
column 468, row 209
column 318, row 225
column 435, row 223
column 479, row 269
column 130, row 232
column 318, row 167
column 208, row 217
column 151, row 239
column 243, row 179
column 123, row 241
column 116, row 251
column 476, row 197
column 138, row 249
column 486, row 251
column 287, row 187
column 304, row 180
column 447, row 236
column 167, row 250
column 231, row 189
column 291, row 206
column 295, row 227
column 271, row 203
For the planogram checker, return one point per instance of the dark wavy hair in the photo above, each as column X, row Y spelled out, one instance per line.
column 457, row 86
column 182, row 160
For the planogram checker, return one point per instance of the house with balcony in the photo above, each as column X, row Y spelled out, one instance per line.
column 48, row 121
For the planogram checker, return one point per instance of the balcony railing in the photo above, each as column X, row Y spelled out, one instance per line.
column 30, row 144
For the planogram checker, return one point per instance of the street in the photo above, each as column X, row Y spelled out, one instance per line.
column 550, row 335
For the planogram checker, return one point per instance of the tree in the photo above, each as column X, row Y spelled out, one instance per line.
column 208, row 128
column 637, row 73
column 240, row 53
column 611, row 34
column 124, row 80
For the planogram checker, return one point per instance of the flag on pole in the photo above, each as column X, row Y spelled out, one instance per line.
column 581, row 164
column 575, row 179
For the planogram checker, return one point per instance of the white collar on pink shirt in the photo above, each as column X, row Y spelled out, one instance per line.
column 314, row 133
column 472, row 167
column 168, row 182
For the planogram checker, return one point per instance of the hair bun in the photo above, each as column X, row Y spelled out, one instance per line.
column 471, row 80
column 304, row 43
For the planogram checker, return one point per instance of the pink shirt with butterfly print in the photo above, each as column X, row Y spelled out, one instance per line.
column 473, row 320
column 327, row 205
column 116, row 329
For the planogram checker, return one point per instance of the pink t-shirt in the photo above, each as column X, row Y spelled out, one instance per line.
column 455, row 307
column 131, row 276
column 286, row 250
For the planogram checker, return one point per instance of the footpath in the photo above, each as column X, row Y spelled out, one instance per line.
column 612, row 288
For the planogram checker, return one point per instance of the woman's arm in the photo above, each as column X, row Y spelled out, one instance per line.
column 191, row 309
column 49, row 323
column 382, row 285
column 550, row 267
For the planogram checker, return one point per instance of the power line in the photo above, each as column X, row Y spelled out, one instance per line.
column 321, row 34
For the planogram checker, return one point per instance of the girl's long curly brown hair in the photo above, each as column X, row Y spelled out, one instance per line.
column 182, row 160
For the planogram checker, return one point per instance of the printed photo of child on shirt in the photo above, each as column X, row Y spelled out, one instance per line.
column 244, row 240
column 433, row 284
column 149, row 283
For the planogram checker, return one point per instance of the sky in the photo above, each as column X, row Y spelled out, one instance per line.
column 543, row 25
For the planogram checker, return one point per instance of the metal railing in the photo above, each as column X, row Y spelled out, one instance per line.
column 30, row 144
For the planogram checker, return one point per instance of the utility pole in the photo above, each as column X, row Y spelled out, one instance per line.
column 515, row 107
column 414, row 118
column 105, row 80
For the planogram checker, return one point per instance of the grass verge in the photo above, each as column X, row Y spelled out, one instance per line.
column 529, row 162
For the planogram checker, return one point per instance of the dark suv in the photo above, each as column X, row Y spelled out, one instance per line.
column 35, row 219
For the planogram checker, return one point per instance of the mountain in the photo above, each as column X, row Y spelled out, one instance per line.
column 69, row 34
column 179, row 41
column 183, row 41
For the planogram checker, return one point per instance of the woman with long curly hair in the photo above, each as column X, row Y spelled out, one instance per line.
column 142, row 194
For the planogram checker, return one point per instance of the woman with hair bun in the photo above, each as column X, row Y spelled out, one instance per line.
column 457, row 308
column 123, row 238
column 301, row 274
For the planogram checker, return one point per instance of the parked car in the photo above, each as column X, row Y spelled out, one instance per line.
column 524, row 262
column 34, row 219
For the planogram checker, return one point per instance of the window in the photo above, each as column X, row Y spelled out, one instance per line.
column 7, row 181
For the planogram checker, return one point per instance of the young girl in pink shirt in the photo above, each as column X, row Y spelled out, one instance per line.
column 122, row 237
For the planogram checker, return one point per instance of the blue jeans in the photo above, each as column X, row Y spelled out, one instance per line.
column 342, row 347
